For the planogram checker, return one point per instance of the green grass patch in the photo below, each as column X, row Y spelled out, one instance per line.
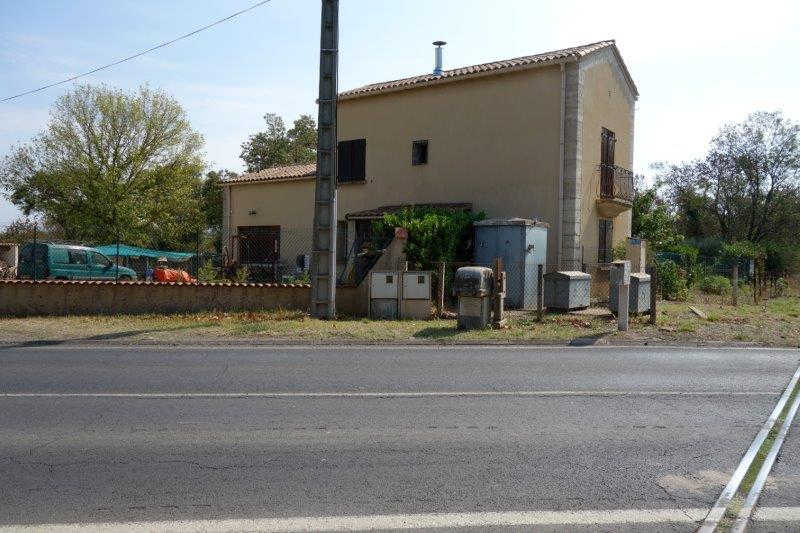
column 766, row 446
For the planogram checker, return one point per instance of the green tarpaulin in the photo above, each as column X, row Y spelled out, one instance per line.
column 134, row 251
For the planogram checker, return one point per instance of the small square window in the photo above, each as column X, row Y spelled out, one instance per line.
column 390, row 279
column 421, row 279
column 419, row 152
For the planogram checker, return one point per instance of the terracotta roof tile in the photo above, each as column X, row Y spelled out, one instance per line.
column 517, row 63
column 153, row 283
column 284, row 173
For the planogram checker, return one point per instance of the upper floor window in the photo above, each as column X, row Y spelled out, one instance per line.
column 352, row 160
column 608, row 141
column 419, row 152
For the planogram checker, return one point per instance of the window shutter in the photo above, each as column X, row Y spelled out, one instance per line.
column 359, row 159
column 612, row 142
column 351, row 163
column 343, row 160
column 604, row 241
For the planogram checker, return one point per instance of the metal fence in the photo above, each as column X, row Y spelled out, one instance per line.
column 522, row 282
column 252, row 254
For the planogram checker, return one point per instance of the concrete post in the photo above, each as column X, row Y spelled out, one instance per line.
column 653, row 271
column 498, row 298
column 623, row 294
column 323, row 253
column 540, row 293
column 440, row 294
column 735, row 283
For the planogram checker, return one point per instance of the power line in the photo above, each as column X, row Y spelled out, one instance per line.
column 143, row 52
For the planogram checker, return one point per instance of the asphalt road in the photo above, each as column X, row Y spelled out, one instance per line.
column 150, row 434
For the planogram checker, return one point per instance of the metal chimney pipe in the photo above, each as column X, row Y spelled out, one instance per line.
column 437, row 70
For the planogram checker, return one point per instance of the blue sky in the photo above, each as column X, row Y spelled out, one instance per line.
column 697, row 64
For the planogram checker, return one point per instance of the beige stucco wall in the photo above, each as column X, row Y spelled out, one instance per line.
column 605, row 105
column 288, row 204
column 493, row 142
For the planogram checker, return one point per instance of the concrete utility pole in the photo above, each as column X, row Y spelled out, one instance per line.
column 323, row 255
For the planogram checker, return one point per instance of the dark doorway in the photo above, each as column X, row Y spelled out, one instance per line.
column 260, row 251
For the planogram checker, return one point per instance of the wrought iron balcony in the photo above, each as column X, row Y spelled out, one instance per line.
column 616, row 190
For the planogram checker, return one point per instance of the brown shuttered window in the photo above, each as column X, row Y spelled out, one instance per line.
column 604, row 251
column 352, row 160
column 608, row 141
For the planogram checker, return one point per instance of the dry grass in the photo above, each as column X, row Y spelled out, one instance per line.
column 288, row 325
column 775, row 322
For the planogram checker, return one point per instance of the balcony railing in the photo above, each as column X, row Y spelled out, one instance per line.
column 616, row 183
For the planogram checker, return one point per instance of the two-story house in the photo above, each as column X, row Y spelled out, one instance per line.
column 547, row 136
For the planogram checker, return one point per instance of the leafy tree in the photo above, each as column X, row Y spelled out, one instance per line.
column 23, row 230
column 747, row 183
column 653, row 221
column 209, row 195
column 275, row 146
column 303, row 140
column 111, row 164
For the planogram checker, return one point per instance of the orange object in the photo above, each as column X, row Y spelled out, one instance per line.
column 172, row 275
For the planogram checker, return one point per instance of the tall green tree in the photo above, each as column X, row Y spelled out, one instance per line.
column 26, row 229
column 743, row 188
column 209, row 195
column 276, row 146
column 652, row 220
column 111, row 164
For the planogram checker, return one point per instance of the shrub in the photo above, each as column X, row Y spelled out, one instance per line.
column 671, row 281
column 741, row 250
column 303, row 277
column 434, row 234
column 715, row 285
column 620, row 251
column 781, row 259
column 207, row 273
column 693, row 270
column 242, row 275
column 780, row 287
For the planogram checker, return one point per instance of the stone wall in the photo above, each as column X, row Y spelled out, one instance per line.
column 60, row 298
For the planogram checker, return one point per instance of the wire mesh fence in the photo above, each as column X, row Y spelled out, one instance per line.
column 252, row 254
column 522, row 283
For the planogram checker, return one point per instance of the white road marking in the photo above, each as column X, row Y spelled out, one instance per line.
column 777, row 514
column 382, row 522
column 758, row 485
column 365, row 395
column 716, row 513
column 421, row 346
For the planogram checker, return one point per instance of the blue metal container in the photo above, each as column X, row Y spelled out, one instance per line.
column 522, row 244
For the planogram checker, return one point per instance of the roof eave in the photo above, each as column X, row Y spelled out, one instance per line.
column 455, row 79
column 266, row 180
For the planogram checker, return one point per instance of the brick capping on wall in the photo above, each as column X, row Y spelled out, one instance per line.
column 157, row 283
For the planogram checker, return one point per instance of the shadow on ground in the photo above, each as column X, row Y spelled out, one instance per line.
column 101, row 337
